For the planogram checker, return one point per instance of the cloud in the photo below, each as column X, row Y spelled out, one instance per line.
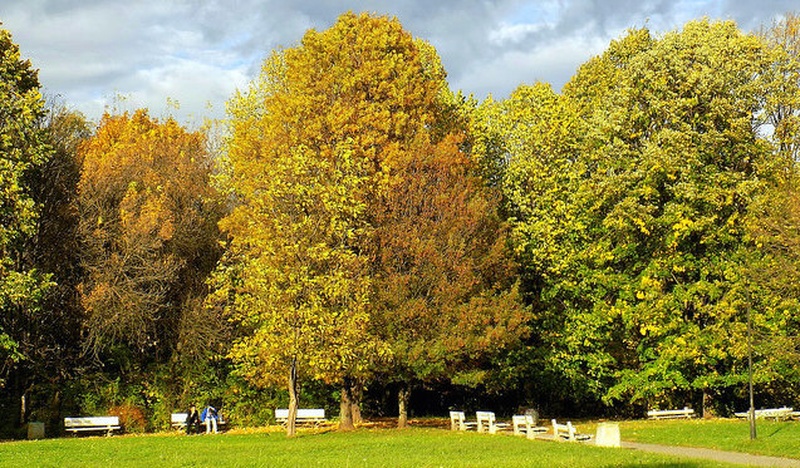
column 199, row 51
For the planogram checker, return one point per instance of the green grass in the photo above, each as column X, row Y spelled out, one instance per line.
column 779, row 439
column 417, row 447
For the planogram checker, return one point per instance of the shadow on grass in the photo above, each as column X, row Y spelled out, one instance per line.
column 665, row 465
column 779, row 429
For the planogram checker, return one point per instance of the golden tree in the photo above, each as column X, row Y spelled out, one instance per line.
column 148, row 233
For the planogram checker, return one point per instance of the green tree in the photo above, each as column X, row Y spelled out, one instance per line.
column 644, row 282
column 51, row 342
column 23, row 148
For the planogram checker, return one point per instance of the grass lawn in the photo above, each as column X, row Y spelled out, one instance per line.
column 779, row 439
column 417, row 447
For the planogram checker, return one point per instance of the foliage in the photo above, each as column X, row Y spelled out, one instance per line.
column 23, row 147
column 636, row 234
column 306, row 158
column 131, row 418
column 148, row 234
column 445, row 295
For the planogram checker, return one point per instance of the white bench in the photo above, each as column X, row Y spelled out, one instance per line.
column 304, row 416
column 487, row 422
column 106, row 424
column 524, row 425
column 670, row 414
column 178, row 420
column 567, row 432
column 778, row 414
column 458, row 421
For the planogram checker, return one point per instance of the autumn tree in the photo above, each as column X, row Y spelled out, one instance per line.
column 643, row 281
column 148, row 238
column 773, row 222
column 782, row 103
column 445, row 297
column 306, row 157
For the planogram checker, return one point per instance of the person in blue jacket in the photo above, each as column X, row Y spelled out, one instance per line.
column 210, row 417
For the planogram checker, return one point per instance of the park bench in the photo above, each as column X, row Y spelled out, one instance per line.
column 304, row 416
column 458, row 421
column 106, row 424
column 178, row 420
column 567, row 432
column 487, row 422
column 778, row 414
column 670, row 414
column 524, row 424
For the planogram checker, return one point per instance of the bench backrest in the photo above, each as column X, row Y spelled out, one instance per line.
column 566, row 429
column 179, row 418
column 302, row 413
column 667, row 413
column 485, row 420
column 520, row 421
column 457, row 420
column 92, row 421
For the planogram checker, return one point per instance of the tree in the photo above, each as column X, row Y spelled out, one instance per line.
column 644, row 282
column 446, row 300
column 148, row 238
column 51, row 342
column 306, row 157
column 23, row 148
column 782, row 103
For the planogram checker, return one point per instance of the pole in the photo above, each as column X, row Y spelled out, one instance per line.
column 752, row 412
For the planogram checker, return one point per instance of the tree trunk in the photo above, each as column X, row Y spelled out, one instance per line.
column 290, row 422
column 403, row 396
column 355, row 406
column 708, row 404
column 346, row 406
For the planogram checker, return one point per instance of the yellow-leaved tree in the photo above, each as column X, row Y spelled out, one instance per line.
column 307, row 156
column 148, row 237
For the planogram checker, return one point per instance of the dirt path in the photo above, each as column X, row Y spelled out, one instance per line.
column 716, row 455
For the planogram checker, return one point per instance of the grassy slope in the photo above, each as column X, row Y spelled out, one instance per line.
column 390, row 448
column 774, row 438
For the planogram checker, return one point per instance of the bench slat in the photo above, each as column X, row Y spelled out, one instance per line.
column 92, row 423
column 304, row 415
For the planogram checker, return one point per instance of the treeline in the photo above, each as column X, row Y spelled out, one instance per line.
column 364, row 239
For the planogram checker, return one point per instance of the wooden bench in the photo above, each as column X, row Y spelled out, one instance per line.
column 106, row 424
column 304, row 416
column 487, row 422
column 524, row 424
column 567, row 432
column 778, row 414
column 670, row 414
column 458, row 421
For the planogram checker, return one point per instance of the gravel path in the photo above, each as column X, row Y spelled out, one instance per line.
column 716, row 455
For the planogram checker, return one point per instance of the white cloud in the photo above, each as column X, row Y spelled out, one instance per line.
column 553, row 63
column 513, row 33
column 198, row 51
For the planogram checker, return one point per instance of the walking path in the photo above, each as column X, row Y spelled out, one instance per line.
column 716, row 455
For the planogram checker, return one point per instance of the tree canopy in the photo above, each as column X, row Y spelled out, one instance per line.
column 23, row 147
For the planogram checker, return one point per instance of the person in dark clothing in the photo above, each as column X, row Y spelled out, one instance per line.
column 193, row 421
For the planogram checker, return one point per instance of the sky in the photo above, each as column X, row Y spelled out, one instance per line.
column 186, row 58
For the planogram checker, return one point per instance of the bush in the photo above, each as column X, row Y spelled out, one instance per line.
column 131, row 418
